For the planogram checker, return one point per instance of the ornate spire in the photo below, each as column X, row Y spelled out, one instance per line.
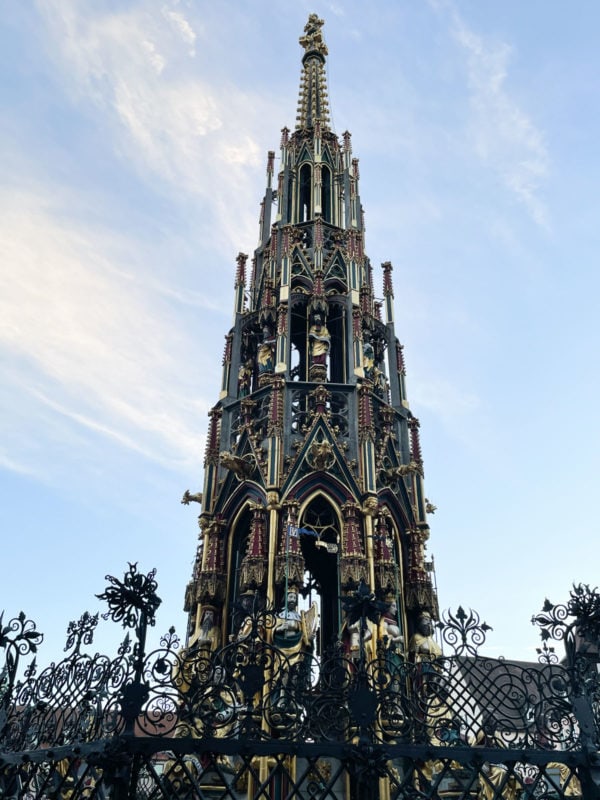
column 313, row 106
column 312, row 361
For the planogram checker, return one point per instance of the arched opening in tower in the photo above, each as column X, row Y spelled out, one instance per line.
column 320, row 549
column 298, row 342
column 326, row 194
column 288, row 199
column 304, row 193
column 336, row 323
column 242, row 582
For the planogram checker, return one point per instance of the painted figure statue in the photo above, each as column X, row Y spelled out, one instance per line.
column 320, row 342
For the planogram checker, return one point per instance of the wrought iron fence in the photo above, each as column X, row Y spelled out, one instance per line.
column 253, row 720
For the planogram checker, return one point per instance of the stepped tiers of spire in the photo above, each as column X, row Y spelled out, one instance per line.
column 313, row 471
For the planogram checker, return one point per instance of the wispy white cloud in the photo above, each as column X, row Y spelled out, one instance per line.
column 156, row 59
column 86, row 340
column 166, row 118
column 183, row 27
column 503, row 134
column 12, row 465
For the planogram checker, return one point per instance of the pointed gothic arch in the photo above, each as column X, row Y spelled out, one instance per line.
column 242, row 580
column 326, row 194
column 321, row 554
column 337, row 326
column 305, row 193
column 298, row 342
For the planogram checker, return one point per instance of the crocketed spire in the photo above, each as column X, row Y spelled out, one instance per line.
column 313, row 105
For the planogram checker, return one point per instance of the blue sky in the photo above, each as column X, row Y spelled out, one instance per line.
column 133, row 146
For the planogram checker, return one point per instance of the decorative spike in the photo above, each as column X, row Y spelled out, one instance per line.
column 400, row 358
column 240, row 280
column 319, row 233
column 356, row 324
column 415, row 440
column 212, row 440
column 270, row 167
column 388, row 289
column 253, row 273
column 227, row 349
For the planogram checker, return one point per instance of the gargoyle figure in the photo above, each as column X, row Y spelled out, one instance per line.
column 188, row 498
column 242, row 468
column 407, row 469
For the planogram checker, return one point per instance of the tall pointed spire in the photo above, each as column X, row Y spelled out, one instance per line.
column 313, row 451
column 313, row 105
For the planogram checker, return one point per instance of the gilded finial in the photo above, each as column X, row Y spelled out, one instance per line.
column 312, row 41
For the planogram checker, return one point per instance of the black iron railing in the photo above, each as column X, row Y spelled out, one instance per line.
column 252, row 719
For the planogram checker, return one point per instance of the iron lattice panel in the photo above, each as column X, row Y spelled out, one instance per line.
column 192, row 773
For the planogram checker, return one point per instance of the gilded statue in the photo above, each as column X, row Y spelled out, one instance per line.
column 320, row 455
column 380, row 383
column 320, row 342
column 243, row 621
column 354, row 636
column 266, row 352
column 313, row 38
column 390, row 629
column 295, row 630
column 368, row 359
column 209, row 637
column 422, row 644
column 245, row 378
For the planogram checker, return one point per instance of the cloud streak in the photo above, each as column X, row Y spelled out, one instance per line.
column 88, row 342
column 503, row 134
column 166, row 118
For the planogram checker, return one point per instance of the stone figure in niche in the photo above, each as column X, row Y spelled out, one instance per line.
column 266, row 352
column 210, row 633
column 245, row 378
column 293, row 635
column 390, row 628
column 356, row 633
column 380, row 384
column 320, row 342
column 422, row 644
column 368, row 358
column 247, row 620
column 294, row 632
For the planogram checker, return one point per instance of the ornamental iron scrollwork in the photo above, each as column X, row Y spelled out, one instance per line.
column 576, row 623
column 81, row 632
column 465, row 633
column 18, row 638
column 133, row 601
column 176, row 720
